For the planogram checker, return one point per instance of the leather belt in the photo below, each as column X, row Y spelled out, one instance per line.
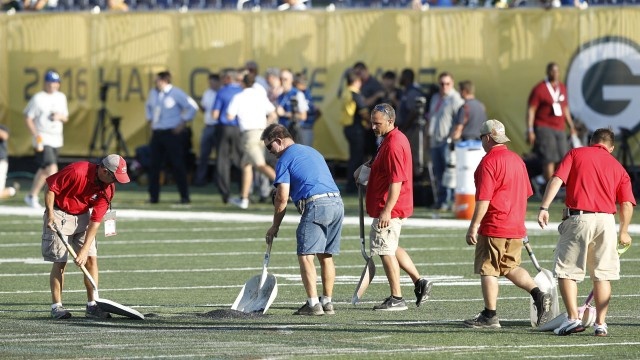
column 316, row 197
column 573, row 212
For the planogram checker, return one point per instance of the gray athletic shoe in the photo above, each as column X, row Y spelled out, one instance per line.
column 308, row 310
column 543, row 307
column 60, row 312
column 391, row 304
column 422, row 290
column 328, row 309
column 482, row 322
column 94, row 312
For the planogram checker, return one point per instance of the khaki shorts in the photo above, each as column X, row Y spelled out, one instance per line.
column 385, row 241
column 74, row 229
column 588, row 241
column 497, row 256
column 253, row 148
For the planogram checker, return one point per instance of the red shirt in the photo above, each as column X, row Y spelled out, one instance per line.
column 501, row 178
column 392, row 164
column 595, row 180
column 541, row 98
column 78, row 189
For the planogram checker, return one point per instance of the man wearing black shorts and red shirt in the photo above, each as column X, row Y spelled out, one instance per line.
column 546, row 115
column 595, row 182
column 72, row 193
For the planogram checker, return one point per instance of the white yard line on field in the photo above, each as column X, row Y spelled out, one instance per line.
column 247, row 217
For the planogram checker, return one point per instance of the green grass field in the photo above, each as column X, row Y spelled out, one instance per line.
column 180, row 263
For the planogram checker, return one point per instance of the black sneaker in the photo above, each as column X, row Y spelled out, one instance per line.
column 422, row 290
column 94, row 312
column 308, row 310
column 482, row 322
column 569, row 327
column 391, row 304
column 543, row 307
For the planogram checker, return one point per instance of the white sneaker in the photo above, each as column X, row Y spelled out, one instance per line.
column 241, row 203
column 32, row 202
column 569, row 327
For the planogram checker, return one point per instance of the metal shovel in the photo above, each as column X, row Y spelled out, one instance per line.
column 258, row 293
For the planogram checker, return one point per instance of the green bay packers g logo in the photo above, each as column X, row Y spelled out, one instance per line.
column 603, row 84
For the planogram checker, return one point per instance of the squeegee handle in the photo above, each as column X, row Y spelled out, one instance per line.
column 74, row 255
column 267, row 256
column 527, row 246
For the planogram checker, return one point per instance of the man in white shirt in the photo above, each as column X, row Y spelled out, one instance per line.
column 44, row 115
column 254, row 112
column 207, row 139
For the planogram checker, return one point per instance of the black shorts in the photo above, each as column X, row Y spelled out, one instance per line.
column 46, row 157
column 551, row 145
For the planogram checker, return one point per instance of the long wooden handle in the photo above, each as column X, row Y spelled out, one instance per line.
column 73, row 253
column 531, row 254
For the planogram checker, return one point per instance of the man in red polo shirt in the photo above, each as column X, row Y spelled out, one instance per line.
column 389, row 202
column 547, row 113
column 497, row 226
column 71, row 193
column 595, row 182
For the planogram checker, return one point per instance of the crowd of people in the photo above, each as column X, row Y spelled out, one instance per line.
column 13, row 6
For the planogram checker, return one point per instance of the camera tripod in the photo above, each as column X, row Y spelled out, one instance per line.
column 100, row 130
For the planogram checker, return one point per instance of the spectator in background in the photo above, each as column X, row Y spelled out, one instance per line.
column 392, row 93
column 294, row 5
column 253, row 111
column 407, row 120
column 373, row 93
column 274, row 89
column 208, row 136
column 469, row 119
column 443, row 108
column 306, row 127
column 227, row 133
column 547, row 114
column 168, row 110
column 11, row 5
column 40, row 5
column 45, row 115
column 355, row 119
column 252, row 68
column 117, row 5
column 292, row 107
column 5, row 192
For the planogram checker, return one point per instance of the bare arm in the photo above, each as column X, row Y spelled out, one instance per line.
column 549, row 194
column 531, row 114
column 4, row 135
column 626, row 212
column 31, row 126
column 478, row 213
column 280, row 209
column 569, row 120
column 392, row 199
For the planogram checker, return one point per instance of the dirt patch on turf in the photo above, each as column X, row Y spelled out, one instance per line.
column 231, row 314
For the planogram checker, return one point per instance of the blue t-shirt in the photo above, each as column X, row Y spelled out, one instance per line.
column 284, row 100
column 306, row 172
column 223, row 99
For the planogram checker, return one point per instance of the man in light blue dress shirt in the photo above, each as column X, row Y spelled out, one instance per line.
column 168, row 109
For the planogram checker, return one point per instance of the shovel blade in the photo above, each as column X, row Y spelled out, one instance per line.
column 115, row 308
column 553, row 323
column 255, row 298
column 368, row 273
column 547, row 283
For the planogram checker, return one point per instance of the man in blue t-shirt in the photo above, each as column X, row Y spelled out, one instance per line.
column 227, row 133
column 303, row 174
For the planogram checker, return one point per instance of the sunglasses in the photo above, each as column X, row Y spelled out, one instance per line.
column 270, row 145
column 383, row 109
column 445, row 83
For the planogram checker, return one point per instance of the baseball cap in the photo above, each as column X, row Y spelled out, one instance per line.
column 495, row 129
column 116, row 164
column 52, row 76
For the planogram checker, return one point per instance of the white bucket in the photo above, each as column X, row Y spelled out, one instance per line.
column 468, row 156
